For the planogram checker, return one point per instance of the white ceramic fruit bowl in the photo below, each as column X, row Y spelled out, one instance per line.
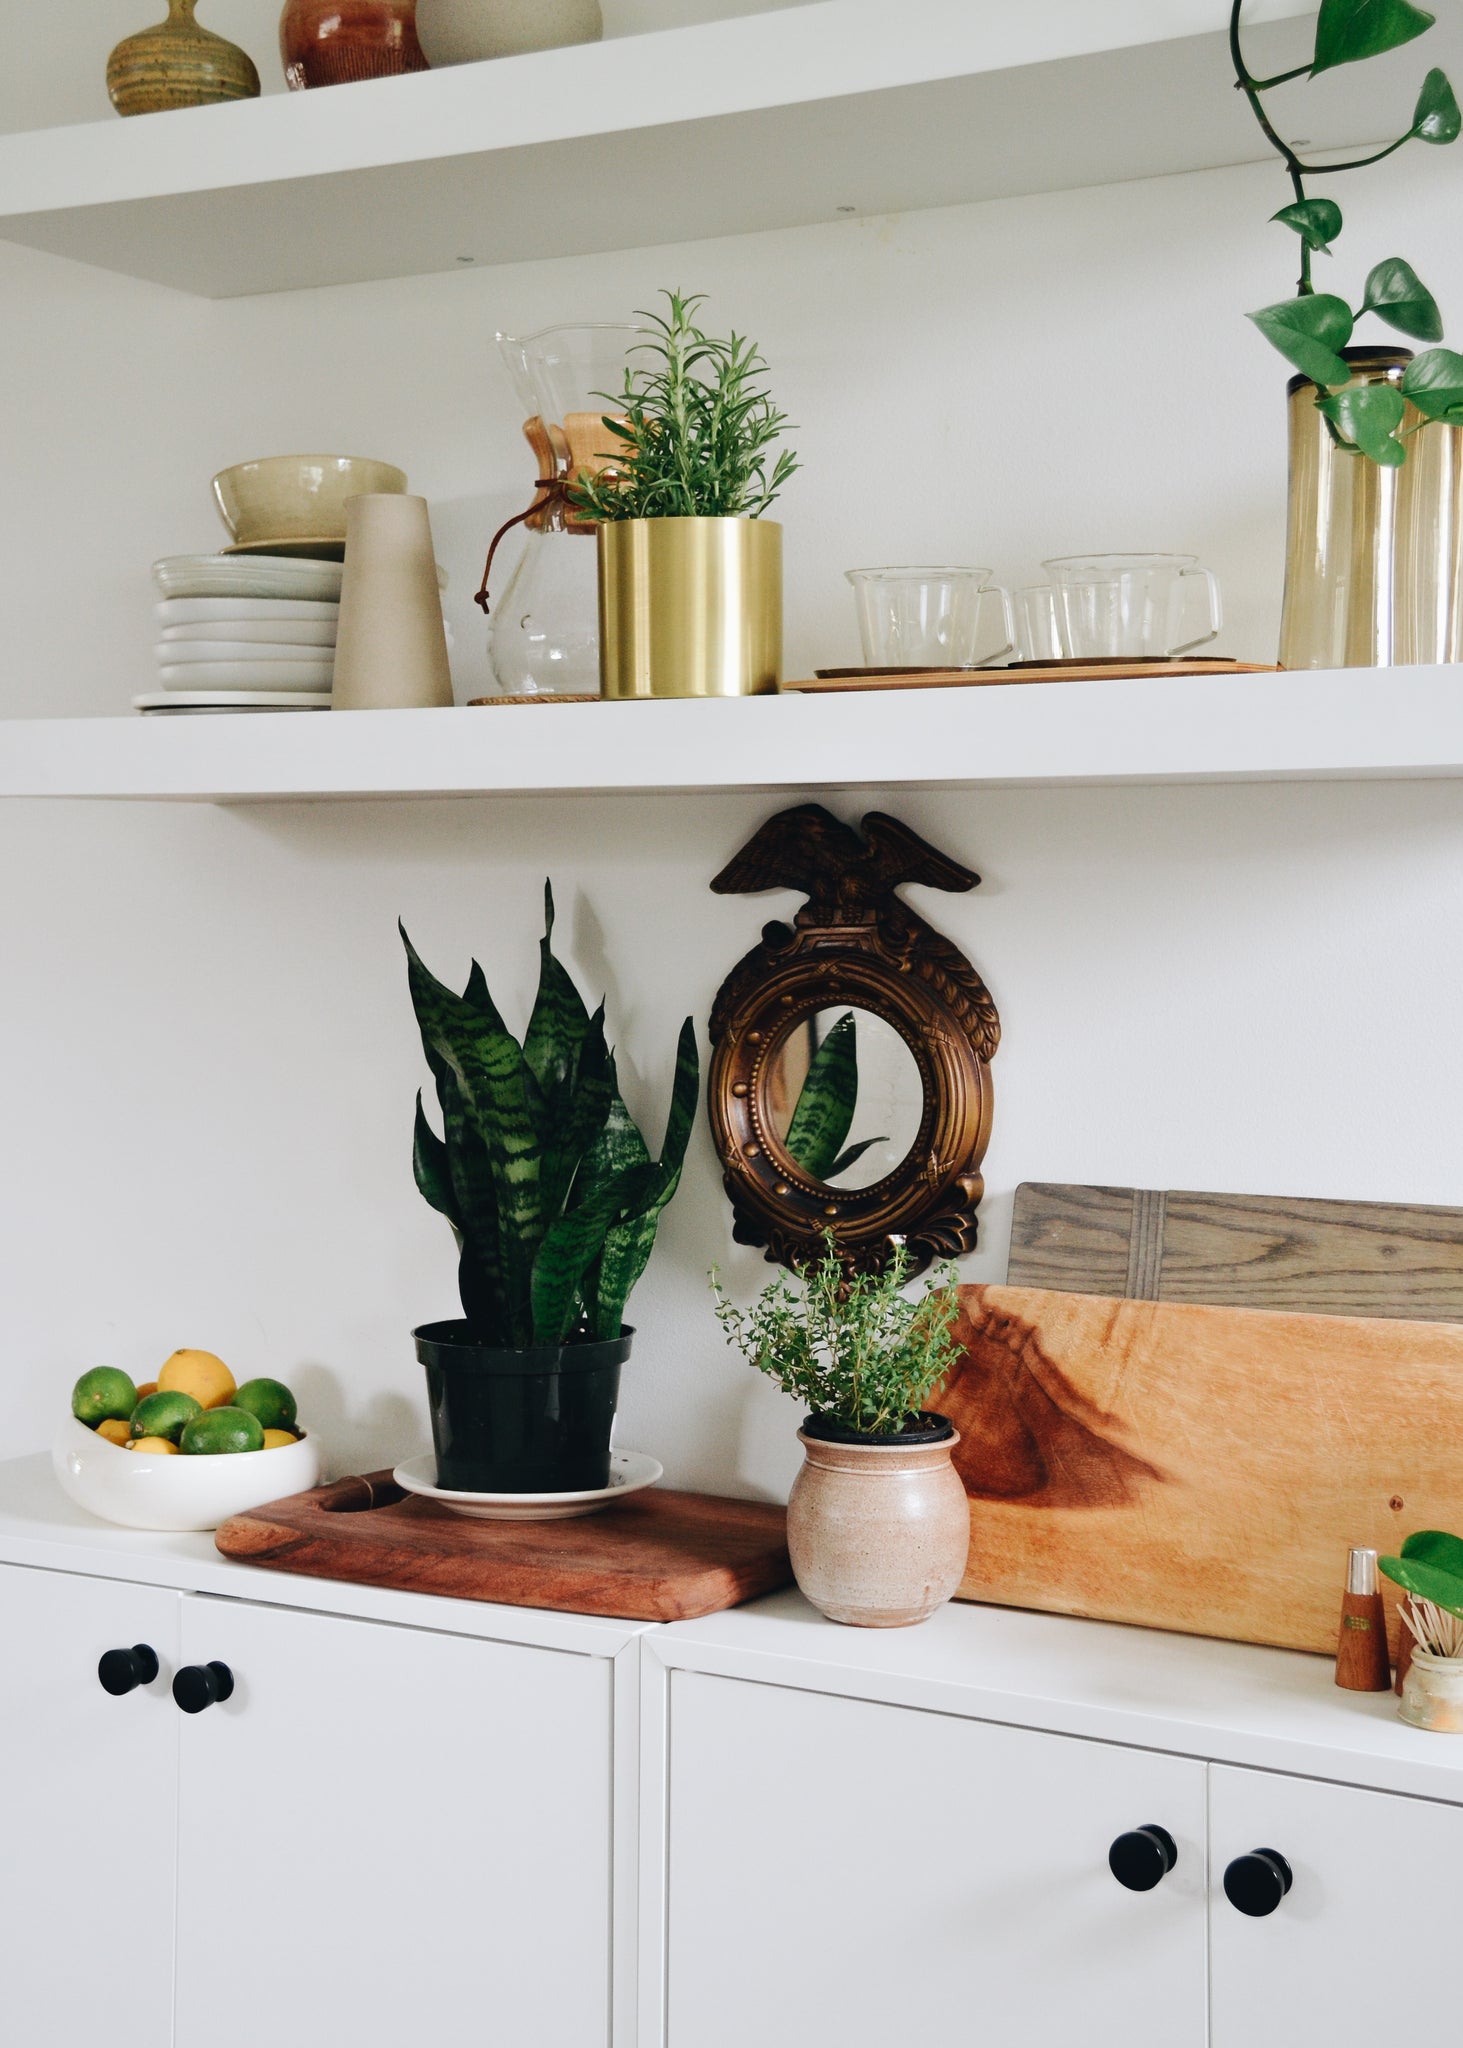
column 145, row 1490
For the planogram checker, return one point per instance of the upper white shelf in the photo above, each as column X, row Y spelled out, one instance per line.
column 1341, row 725
column 763, row 121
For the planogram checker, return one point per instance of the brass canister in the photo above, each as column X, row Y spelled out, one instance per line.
column 690, row 607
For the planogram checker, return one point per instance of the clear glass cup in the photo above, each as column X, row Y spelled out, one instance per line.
column 928, row 618
column 1132, row 607
column 1038, row 624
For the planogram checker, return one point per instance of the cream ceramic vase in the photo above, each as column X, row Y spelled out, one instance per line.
column 878, row 1532
column 467, row 31
column 1432, row 1693
column 390, row 646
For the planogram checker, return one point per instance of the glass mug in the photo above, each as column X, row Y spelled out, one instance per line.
column 928, row 618
column 1118, row 608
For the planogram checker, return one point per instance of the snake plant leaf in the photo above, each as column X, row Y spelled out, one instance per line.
column 1316, row 221
column 628, row 1246
column 1308, row 332
column 1396, row 294
column 431, row 1169
column 851, row 1156
column 1368, row 416
column 1436, row 117
column 1348, row 31
column 559, row 1020
column 824, row 1113
column 571, row 1245
column 1434, row 383
column 576, row 1114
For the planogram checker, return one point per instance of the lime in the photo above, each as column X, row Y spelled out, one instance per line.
column 199, row 1373
column 103, row 1395
column 270, row 1400
column 164, row 1414
column 222, row 1429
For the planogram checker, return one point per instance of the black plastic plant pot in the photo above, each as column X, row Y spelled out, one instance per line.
column 520, row 1421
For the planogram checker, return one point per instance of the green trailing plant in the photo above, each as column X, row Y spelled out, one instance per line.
column 852, row 1346
column 695, row 428
column 1311, row 329
column 547, row 1183
column 1430, row 1572
column 819, row 1126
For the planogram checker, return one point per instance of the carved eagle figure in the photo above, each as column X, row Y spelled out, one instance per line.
column 840, row 873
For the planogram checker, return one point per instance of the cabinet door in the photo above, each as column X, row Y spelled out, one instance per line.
column 1374, row 1876
column 386, row 1833
column 87, row 1812
column 863, row 1874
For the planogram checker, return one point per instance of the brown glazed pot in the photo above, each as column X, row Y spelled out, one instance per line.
column 178, row 63
column 878, row 1531
column 340, row 42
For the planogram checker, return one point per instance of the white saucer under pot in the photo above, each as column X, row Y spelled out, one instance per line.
column 629, row 1472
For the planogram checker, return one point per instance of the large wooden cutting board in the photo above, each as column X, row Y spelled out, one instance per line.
column 1195, row 1468
column 1253, row 1251
column 661, row 1555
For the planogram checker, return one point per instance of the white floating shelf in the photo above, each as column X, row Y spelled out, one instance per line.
column 1342, row 725
column 762, row 121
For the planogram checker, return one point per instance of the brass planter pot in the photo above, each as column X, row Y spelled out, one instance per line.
column 690, row 607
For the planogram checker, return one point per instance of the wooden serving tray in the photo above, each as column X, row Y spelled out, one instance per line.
column 1194, row 1468
column 659, row 1556
column 1250, row 1251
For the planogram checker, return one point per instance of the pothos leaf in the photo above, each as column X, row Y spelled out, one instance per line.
column 1316, row 221
column 1427, row 1581
column 1434, row 383
column 1436, row 117
column 1350, row 30
column 1436, row 1547
column 1368, row 416
column 1396, row 293
column 1309, row 331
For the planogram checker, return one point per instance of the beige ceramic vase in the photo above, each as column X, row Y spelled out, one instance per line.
column 178, row 64
column 390, row 646
column 878, row 1532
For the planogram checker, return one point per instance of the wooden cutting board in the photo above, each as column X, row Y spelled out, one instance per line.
column 1194, row 1468
column 1253, row 1251
column 659, row 1556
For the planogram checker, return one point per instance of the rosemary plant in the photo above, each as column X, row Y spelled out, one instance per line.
column 852, row 1346
column 1311, row 329
column 696, row 428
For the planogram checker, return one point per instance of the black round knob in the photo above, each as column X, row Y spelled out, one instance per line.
column 198, row 1686
column 1255, row 1884
column 1143, row 1858
column 122, row 1671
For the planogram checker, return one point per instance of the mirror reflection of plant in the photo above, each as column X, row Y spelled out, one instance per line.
column 1430, row 1572
column 1311, row 329
column 851, row 1346
column 541, row 1171
column 824, row 1115
column 695, row 432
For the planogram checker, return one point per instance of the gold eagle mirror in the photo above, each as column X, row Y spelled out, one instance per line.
column 850, row 1085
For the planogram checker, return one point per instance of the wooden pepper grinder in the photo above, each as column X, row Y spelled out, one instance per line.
column 1362, row 1662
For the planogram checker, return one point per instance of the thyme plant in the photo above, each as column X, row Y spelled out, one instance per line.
column 1311, row 329
column 852, row 1346
column 696, row 428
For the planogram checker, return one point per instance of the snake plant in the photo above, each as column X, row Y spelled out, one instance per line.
column 547, row 1182
column 825, row 1107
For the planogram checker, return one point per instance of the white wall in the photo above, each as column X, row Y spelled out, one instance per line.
column 205, row 1025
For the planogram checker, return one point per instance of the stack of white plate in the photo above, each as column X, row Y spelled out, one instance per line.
column 244, row 633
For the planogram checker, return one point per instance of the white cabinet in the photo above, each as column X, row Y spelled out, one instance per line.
column 390, row 1829
column 1375, row 1879
column 851, row 1872
column 380, row 1827
column 88, row 1800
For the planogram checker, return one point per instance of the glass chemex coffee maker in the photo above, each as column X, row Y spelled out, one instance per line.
column 543, row 627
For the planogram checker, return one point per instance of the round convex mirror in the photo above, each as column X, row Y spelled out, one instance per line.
column 844, row 1097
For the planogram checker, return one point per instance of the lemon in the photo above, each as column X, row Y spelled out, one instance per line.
column 115, row 1431
column 222, row 1429
column 270, row 1400
column 164, row 1414
column 103, row 1395
column 276, row 1439
column 158, row 1445
column 200, row 1374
